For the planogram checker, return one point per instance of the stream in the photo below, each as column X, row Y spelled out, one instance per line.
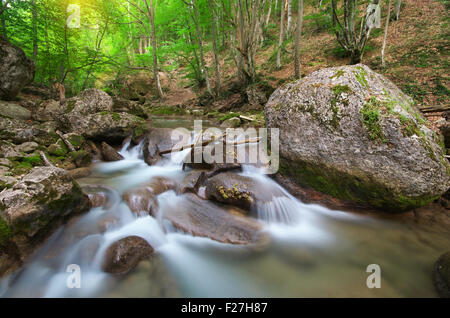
column 311, row 251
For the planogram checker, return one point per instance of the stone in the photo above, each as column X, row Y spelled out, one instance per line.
column 156, row 140
column 350, row 132
column 27, row 147
column 90, row 101
column 14, row 111
column 441, row 275
column 109, row 153
column 231, row 123
column 124, row 255
column 16, row 69
column 122, row 105
column 80, row 173
column 37, row 204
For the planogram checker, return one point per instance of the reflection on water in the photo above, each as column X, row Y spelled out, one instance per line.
column 313, row 251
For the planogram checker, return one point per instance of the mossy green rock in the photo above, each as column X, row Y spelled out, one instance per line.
column 350, row 132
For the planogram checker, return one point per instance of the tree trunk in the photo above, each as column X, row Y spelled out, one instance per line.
column 35, row 35
column 268, row 13
column 297, row 40
column 150, row 9
column 289, row 18
column 280, row 41
column 200, row 46
column 398, row 5
column 216, row 57
column 386, row 28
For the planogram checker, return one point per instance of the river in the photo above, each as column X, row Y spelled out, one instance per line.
column 311, row 252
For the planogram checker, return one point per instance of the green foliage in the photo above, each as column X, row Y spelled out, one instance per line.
column 371, row 118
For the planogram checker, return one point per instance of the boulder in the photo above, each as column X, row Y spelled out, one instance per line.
column 231, row 123
column 27, row 147
column 80, row 173
column 19, row 131
column 122, row 105
column 124, row 255
column 350, row 132
column 14, row 111
column 142, row 198
column 441, row 275
column 90, row 101
column 240, row 191
column 156, row 140
column 16, row 68
column 109, row 153
column 38, row 204
column 114, row 127
column 205, row 219
column 100, row 196
column 48, row 110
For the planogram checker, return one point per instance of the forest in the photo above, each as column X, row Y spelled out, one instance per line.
column 328, row 122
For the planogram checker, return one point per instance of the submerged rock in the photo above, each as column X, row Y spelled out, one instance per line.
column 124, row 255
column 441, row 275
column 202, row 218
column 16, row 69
column 109, row 153
column 350, row 132
column 36, row 205
column 156, row 140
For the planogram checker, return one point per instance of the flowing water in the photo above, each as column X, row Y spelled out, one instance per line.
column 312, row 251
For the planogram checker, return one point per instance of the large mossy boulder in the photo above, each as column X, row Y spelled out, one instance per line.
column 350, row 132
column 36, row 205
column 16, row 69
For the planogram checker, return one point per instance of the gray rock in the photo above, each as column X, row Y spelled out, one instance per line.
column 16, row 69
column 231, row 123
column 14, row 111
column 90, row 101
column 109, row 153
column 441, row 275
column 156, row 140
column 350, row 132
column 27, row 147
column 37, row 204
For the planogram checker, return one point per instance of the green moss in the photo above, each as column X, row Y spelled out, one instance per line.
column 361, row 76
column 21, row 168
column 350, row 186
column 167, row 110
column 76, row 140
column 81, row 158
column 338, row 74
column 5, row 232
column 228, row 116
column 371, row 118
column 115, row 116
column 34, row 160
column 70, row 106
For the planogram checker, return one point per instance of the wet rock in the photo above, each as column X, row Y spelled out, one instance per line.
column 241, row 191
column 156, row 140
column 191, row 182
column 124, row 255
column 109, row 153
column 99, row 195
column 231, row 123
column 441, row 275
column 142, row 198
column 14, row 111
column 27, row 147
column 80, row 173
column 16, row 68
column 202, row 218
column 350, row 132
column 37, row 204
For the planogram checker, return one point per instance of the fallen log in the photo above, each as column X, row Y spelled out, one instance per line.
column 44, row 158
column 66, row 142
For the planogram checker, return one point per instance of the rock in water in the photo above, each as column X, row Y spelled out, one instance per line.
column 441, row 275
column 36, row 205
column 156, row 140
column 109, row 153
column 350, row 132
column 125, row 254
column 16, row 70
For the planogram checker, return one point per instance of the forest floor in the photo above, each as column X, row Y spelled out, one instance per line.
column 417, row 58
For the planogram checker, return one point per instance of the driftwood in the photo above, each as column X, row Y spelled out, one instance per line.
column 246, row 118
column 44, row 158
column 207, row 142
column 66, row 142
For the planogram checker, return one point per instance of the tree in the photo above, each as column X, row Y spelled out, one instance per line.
column 347, row 32
column 35, row 32
column 398, row 5
column 298, row 34
column 388, row 17
column 280, row 40
column 214, row 40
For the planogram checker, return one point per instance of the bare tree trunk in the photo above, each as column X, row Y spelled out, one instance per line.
column 289, row 18
column 398, row 5
column 151, row 12
column 35, row 35
column 216, row 57
column 297, row 40
column 202, row 59
column 280, row 42
column 266, row 22
column 386, row 28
